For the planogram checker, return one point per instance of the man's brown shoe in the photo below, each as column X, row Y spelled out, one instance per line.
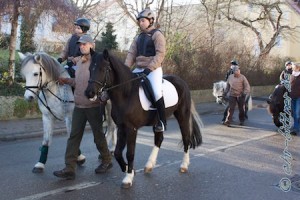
column 69, row 175
column 103, row 168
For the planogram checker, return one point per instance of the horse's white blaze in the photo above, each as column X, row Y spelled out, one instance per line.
column 152, row 158
column 39, row 165
column 128, row 179
column 185, row 161
column 32, row 76
column 94, row 98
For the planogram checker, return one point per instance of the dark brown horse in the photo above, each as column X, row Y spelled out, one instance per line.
column 109, row 74
column 276, row 103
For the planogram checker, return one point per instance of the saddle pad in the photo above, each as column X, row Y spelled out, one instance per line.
column 169, row 93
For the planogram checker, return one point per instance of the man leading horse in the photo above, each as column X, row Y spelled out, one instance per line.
column 238, row 88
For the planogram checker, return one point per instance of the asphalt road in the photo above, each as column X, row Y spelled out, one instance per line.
column 233, row 163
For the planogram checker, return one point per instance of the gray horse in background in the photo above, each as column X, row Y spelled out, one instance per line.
column 218, row 92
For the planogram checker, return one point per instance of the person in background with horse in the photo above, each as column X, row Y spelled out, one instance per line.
column 147, row 52
column 286, row 72
column 295, row 96
column 71, row 51
column 229, row 72
column 85, row 110
column 237, row 87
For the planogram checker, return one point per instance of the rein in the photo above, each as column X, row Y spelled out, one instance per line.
column 41, row 87
column 104, row 88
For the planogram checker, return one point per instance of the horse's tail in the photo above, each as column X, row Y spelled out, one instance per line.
column 195, row 128
column 250, row 107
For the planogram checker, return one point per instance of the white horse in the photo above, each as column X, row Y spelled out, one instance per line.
column 218, row 92
column 56, row 102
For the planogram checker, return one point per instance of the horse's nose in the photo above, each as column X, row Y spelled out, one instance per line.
column 29, row 98
column 89, row 93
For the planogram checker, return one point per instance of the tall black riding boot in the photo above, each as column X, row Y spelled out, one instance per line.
column 162, row 122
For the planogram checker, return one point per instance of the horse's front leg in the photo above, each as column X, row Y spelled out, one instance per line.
column 47, row 138
column 131, row 143
column 121, row 143
column 158, row 138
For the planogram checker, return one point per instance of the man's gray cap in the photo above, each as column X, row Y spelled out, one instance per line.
column 85, row 38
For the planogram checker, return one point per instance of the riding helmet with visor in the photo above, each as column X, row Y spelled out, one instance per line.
column 148, row 14
column 83, row 23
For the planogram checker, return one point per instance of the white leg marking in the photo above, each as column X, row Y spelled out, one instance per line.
column 127, row 181
column 151, row 160
column 185, row 162
column 39, row 165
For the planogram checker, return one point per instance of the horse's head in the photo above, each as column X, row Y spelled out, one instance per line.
column 218, row 90
column 38, row 70
column 100, row 77
column 276, row 104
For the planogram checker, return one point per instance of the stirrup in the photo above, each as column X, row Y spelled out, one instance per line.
column 159, row 127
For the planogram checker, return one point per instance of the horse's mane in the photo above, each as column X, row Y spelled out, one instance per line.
column 52, row 68
column 122, row 72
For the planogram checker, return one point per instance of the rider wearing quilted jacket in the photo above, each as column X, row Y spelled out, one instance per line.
column 147, row 53
column 72, row 50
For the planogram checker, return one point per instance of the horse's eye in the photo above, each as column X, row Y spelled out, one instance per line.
column 36, row 74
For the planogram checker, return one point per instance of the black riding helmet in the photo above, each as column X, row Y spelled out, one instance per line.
column 83, row 23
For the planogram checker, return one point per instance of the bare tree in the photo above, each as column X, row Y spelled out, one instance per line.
column 133, row 7
column 266, row 17
column 84, row 6
column 30, row 10
column 6, row 8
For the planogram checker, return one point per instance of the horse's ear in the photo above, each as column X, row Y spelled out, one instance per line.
column 22, row 56
column 37, row 58
column 92, row 51
column 105, row 54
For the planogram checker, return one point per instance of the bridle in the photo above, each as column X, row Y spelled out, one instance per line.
column 104, row 84
column 42, row 87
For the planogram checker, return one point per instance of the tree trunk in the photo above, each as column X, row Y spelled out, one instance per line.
column 13, row 39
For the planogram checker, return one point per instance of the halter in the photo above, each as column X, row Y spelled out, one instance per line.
column 41, row 87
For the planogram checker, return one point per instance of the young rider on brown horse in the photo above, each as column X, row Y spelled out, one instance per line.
column 147, row 52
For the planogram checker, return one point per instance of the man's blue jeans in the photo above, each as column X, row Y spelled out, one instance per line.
column 296, row 113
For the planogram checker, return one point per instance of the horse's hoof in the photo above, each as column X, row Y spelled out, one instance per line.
column 126, row 185
column 37, row 170
column 81, row 162
column 147, row 170
column 183, row 170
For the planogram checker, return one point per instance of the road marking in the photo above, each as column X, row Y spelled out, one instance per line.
column 91, row 184
column 236, row 144
column 61, row 190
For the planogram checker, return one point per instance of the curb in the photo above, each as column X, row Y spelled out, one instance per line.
column 63, row 131
column 35, row 134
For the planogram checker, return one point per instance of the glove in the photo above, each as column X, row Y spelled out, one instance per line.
column 63, row 81
column 147, row 71
column 70, row 64
column 59, row 60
